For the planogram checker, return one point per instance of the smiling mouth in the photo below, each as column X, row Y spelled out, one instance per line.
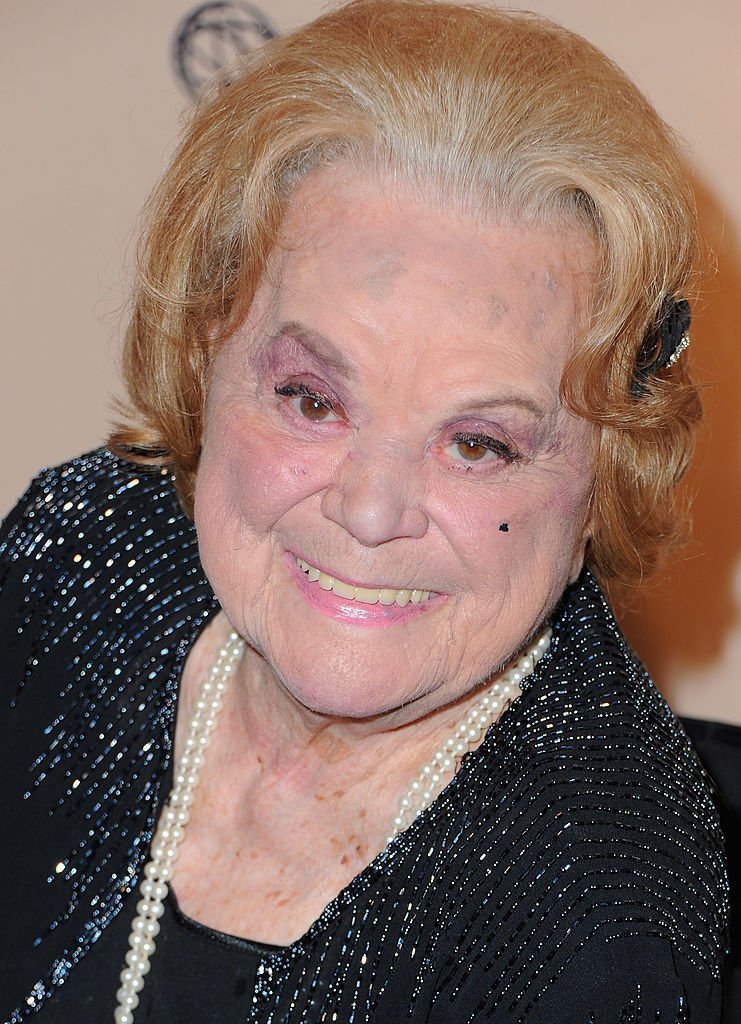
column 364, row 595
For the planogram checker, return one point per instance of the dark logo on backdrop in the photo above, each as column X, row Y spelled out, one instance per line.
column 212, row 35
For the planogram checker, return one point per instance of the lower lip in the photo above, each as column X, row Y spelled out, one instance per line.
column 355, row 612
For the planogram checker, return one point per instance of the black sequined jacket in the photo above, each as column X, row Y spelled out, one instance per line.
column 571, row 872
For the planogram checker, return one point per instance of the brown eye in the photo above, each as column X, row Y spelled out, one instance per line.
column 312, row 408
column 471, row 451
column 473, row 448
column 307, row 404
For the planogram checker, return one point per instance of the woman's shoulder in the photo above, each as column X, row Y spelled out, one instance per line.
column 597, row 832
column 77, row 522
column 92, row 487
column 96, row 555
column 101, row 596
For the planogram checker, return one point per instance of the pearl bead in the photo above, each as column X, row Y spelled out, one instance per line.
column 132, row 980
column 181, row 798
column 163, row 851
column 146, row 926
column 153, row 890
column 150, row 908
column 127, row 998
column 135, row 960
column 141, row 945
column 185, row 779
column 123, row 1015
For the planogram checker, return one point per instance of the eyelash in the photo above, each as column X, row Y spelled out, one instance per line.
column 291, row 390
column 493, row 444
column 294, row 390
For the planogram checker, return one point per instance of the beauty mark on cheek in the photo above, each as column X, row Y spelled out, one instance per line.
column 504, row 527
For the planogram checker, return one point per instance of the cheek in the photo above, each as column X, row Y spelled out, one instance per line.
column 250, row 475
column 548, row 530
column 520, row 526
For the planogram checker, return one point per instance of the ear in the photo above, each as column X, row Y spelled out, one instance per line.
column 586, row 536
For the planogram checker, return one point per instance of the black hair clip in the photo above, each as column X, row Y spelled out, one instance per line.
column 665, row 343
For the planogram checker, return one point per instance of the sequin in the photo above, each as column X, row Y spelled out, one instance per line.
column 582, row 825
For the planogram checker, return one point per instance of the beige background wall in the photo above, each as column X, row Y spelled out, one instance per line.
column 89, row 109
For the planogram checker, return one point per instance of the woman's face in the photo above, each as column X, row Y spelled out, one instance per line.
column 389, row 416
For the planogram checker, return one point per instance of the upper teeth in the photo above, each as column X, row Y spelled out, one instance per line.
column 366, row 595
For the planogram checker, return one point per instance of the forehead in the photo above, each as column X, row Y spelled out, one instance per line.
column 368, row 260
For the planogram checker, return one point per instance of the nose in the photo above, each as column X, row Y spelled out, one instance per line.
column 377, row 497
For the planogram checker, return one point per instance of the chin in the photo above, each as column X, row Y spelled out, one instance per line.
column 337, row 703
column 333, row 694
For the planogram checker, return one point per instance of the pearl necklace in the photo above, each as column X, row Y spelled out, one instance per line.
column 174, row 817
column 445, row 762
column 170, row 831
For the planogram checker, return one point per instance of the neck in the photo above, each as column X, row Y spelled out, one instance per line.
column 265, row 730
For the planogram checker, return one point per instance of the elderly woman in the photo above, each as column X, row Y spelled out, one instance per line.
column 364, row 743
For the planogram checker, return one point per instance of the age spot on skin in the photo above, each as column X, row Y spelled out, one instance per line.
column 504, row 527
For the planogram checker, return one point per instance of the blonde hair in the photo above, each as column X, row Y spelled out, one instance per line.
column 499, row 111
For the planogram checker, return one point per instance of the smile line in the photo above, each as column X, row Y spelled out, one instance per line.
column 365, row 595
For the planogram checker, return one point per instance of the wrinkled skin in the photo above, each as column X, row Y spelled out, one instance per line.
column 417, row 441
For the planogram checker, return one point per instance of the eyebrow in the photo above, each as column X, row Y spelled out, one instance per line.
column 473, row 405
column 314, row 344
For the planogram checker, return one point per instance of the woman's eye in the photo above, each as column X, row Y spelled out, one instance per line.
column 307, row 403
column 313, row 408
column 479, row 448
column 471, row 451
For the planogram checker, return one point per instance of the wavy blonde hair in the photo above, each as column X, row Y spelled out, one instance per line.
column 502, row 112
